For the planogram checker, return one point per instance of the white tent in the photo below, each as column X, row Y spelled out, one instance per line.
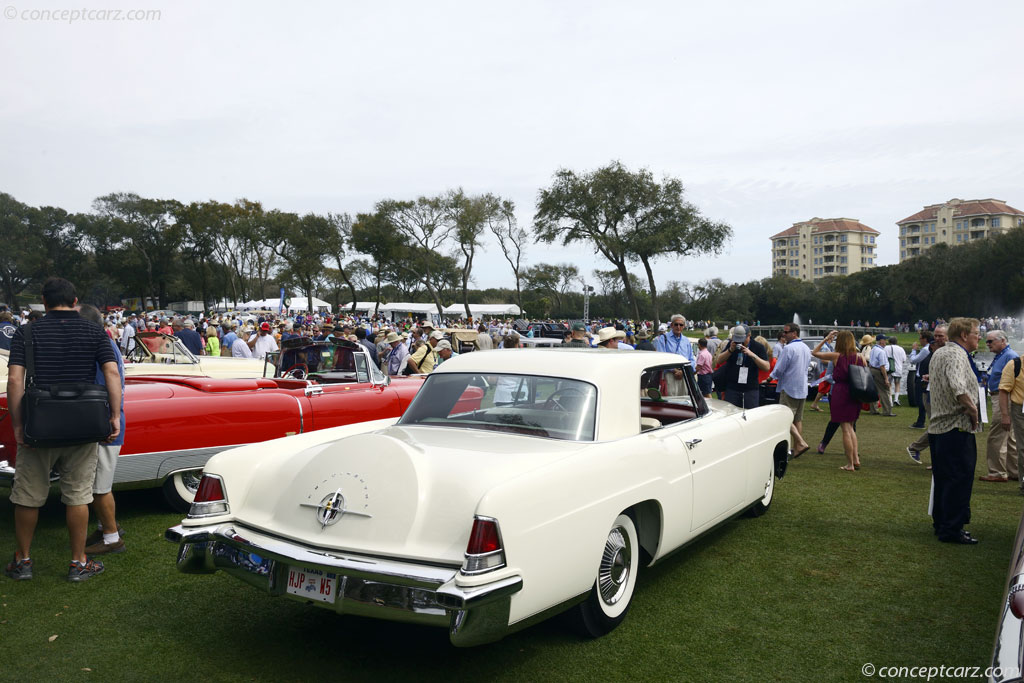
column 401, row 309
column 361, row 307
column 298, row 304
column 482, row 310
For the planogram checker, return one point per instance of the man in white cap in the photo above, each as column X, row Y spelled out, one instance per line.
column 444, row 351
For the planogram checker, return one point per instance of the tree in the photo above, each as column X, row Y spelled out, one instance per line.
column 426, row 229
column 552, row 279
column 337, row 246
column 470, row 215
column 671, row 227
column 148, row 228
column 627, row 217
column 22, row 253
column 204, row 226
column 512, row 240
column 300, row 243
column 373, row 235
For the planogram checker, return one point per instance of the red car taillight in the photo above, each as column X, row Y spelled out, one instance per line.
column 484, row 552
column 210, row 499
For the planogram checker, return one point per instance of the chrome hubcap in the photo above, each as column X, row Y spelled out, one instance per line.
column 190, row 480
column 613, row 574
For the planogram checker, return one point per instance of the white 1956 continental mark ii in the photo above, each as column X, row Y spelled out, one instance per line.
column 517, row 484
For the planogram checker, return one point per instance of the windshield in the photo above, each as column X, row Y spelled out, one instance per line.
column 522, row 404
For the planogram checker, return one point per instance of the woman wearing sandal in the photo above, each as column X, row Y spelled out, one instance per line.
column 843, row 408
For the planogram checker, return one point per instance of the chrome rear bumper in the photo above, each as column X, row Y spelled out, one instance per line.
column 367, row 586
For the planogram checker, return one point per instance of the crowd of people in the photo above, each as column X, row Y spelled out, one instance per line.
column 942, row 381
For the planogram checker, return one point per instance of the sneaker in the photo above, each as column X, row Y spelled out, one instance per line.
column 916, row 426
column 102, row 548
column 83, row 571
column 97, row 536
column 914, row 455
column 19, row 570
column 821, row 449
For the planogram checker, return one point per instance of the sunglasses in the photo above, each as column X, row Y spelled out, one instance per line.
column 678, row 325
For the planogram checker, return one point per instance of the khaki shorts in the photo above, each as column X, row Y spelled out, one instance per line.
column 75, row 464
column 794, row 404
column 106, row 463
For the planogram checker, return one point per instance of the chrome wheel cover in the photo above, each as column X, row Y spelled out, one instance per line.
column 616, row 565
column 190, row 480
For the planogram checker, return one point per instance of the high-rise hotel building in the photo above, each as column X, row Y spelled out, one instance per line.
column 823, row 247
column 955, row 222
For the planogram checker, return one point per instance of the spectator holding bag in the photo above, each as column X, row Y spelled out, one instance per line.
column 844, row 408
column 67, row 350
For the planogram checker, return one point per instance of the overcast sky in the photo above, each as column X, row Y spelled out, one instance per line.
column 769, row 112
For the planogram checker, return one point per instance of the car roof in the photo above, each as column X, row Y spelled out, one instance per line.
column 597, row 366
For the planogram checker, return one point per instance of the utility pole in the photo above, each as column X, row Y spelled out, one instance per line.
column 587, row 289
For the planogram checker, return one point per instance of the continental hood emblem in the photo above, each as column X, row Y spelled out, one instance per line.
column 332, row 508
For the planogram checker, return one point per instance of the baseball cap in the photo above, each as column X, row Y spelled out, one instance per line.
column 437, row 334
column 738, row 333
column 579, row 327
column 265, row 326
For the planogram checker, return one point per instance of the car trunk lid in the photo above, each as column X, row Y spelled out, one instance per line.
column 400, row 492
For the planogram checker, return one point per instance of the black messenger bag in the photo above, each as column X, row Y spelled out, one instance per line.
column 62, row 414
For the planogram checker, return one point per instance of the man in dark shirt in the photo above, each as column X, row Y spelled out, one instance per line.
column 186, row 332
column 743, row 357
column 370, row 346
column 67, row 350
column 7, row 329
column 579, row 336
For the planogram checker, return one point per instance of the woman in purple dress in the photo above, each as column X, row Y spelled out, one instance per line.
column 845, row 410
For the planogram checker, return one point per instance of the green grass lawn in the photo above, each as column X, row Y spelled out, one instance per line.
column 842, row 571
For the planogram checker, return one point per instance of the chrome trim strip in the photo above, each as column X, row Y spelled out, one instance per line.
column 302, row 419
column 231, row 535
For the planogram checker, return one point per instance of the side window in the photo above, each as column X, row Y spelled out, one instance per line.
column 362, row 373
column 668, row 396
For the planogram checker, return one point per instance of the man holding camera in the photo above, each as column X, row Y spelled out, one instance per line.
column 741, row 358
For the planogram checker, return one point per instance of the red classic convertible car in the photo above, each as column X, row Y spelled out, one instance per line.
column 176, row 423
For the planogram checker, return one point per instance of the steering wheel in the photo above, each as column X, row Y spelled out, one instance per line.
column 297, row 371
column 554, row 403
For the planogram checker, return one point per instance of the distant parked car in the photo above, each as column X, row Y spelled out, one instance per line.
column 518, row 484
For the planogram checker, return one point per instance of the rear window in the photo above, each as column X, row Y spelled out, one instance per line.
column 546, row 407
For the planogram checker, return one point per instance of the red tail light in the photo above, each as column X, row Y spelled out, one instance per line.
column 484, row 552
column 209, row 489
column 484, row 537
column 210, row 499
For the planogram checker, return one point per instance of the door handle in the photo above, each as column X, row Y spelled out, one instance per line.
column 692, row 442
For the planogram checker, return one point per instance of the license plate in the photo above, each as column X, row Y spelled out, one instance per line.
column 313, row 584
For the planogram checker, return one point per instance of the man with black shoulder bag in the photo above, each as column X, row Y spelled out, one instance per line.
column 58, row 416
